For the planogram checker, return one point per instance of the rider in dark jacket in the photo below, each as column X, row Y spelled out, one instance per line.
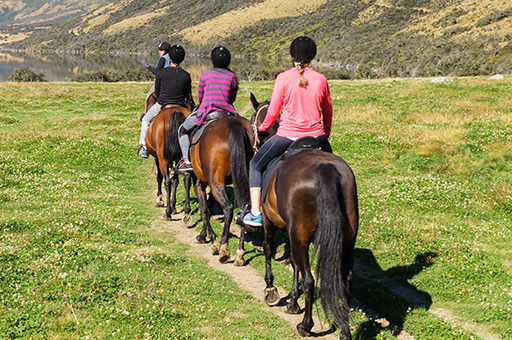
column 172, row 85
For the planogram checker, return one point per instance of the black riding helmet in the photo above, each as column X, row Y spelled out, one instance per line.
column 177, row 54
column 220, row 57
column 164, row 46
column 303, row 49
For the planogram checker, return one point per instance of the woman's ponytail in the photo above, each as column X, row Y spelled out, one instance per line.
column 303, row 81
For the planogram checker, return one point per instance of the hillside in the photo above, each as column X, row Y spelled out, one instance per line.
column 29, row 12
column 357, row 39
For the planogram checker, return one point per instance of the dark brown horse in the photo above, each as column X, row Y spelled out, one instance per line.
column 313, row 197
column 162, row 143
column 221, row 157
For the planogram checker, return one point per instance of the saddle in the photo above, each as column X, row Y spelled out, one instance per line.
column 303, row 144
column 165, row 106
column 197, row 132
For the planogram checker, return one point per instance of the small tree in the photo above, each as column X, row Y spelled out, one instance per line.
column 25, row 74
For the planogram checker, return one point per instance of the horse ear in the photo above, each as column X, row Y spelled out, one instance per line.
column 254, row 102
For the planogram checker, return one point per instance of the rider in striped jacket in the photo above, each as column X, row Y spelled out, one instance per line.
column 217, row 91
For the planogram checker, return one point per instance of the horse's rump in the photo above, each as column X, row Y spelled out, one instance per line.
column 163, row 133
column 210, row 156
column 297, row 177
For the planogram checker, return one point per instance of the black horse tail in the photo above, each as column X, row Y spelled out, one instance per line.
column 332, row 269
column 172, row 150
column 239, row 150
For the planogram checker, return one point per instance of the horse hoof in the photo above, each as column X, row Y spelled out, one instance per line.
column 239, row 262
column 200, row 240
column 215, row 248
column 345, row 337
column 300, row 330
column 159, row 204
column 271, row 296
column 224, row 258
column 292, row 309
column 224, row 254
column 187, row 220
column 166, row 218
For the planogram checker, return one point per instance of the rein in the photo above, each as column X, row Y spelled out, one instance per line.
column 255, row 127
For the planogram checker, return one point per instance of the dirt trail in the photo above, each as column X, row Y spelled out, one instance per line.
column 246, row 277
column 249, row 280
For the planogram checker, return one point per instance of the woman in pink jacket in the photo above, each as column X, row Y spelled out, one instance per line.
column 303, row 95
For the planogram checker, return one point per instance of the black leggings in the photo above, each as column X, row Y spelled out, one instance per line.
column 272, row 148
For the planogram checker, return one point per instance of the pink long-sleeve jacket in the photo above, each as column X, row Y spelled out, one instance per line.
column 303, row 109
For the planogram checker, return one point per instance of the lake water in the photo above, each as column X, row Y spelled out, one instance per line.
column 63, row 67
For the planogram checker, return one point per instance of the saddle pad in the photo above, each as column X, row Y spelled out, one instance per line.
column 197, row 132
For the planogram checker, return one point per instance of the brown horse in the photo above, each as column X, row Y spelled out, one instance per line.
column 221, row 157
column 313, row 197
column 162, row 143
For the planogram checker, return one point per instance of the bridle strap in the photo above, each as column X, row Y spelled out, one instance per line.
column 255, row 127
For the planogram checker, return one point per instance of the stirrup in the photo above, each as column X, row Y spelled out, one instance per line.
column 240, row 215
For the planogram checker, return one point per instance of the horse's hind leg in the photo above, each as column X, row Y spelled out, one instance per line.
column 186, row 183
column 213, row 236
column 271, row 295
column 174, row 185
column 200, row 191
column 219, row 192
column 187, row 219
column 301, row 259
column 293, row 306
column 239, row 260
column 159, row 179
column 168, row 188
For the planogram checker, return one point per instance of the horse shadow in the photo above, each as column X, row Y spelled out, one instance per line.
column 387, row 293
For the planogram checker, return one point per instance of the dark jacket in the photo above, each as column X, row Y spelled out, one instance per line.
column 173, row 85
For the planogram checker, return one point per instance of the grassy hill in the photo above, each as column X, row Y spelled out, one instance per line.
column 357, row 39
column 28, row 12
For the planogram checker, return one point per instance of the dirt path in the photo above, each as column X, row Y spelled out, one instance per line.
column 249, row 280
column 246, row 277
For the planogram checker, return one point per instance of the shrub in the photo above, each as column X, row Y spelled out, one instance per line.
column 113, row 76
column 25, row 74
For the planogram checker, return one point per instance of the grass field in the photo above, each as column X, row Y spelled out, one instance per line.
column 78, row 259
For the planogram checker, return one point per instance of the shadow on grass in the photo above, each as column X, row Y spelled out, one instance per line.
column 387, row 293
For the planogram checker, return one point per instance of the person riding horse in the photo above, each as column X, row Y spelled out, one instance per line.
column 172, row 85
column 163, row 61
column 217, row 92
column 303, row 94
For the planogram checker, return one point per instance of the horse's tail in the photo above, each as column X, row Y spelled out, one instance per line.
column 239, row 149
column 332, row 268
column 172, row 150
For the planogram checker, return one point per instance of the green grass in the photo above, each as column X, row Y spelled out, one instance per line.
column 79, row 259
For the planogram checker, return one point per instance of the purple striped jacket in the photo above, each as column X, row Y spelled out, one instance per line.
column 216, row 92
